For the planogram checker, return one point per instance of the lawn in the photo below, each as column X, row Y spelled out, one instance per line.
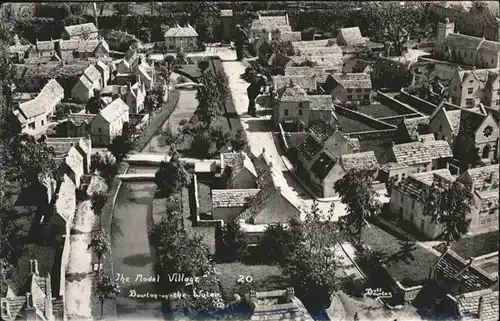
column 204, row 198
column 262, row 277
column 349, row 125
column 415, row 272
column 377, row 111
column 474, row 246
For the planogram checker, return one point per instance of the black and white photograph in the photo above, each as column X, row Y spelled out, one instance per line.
column 249, row 160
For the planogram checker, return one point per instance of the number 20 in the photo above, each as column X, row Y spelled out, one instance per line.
column 243, row 279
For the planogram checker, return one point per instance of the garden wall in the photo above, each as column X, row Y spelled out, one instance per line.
column 197, row 220
column 375, row 134
column 408, row 294
column 419, row 104
column 64, row 264
column 372, row 122
column 396, row 104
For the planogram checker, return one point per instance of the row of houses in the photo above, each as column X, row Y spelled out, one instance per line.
column 41, row 297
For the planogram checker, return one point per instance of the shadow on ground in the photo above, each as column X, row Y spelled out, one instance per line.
column 138, row 259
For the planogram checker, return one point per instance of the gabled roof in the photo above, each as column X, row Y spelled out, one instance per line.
column 90, row 46
column 114, row 110
column 321, row 129
column 323, row 164
column 438, row 149
column 416, row 184
column 481, row 175
column 272, row 184
column 232, row 197
column 478, row 305
column 321, row 102
column 412, row 125
column 307, row 83
column 352, row 36
column 309, row 148
column 480, row 74
column 292, row 92
column 360, row 161
column 50, row 95
column 320, row 72
column 70, row 45
column 237, row 162
column 411, row 153
column 65, row 203
column 451, row 267
column 178, row 32
column 81, row 29
column 279, row 20
column 277, row 305
column 463, row 41
column 93, row 74
column 354, row 80
column 489, row 48
column 45, row 45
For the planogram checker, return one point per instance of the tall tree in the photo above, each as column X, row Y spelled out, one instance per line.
column 233, row 243
column 448, row 206
column 97, row 204
column 172, row 176
column 99, row 244
column 121, row 146
column 106, row 289
column 168, row 134
column 26, row 159
column 356, row 192
column 392, row 21
column 107, row 167
column 312, row 264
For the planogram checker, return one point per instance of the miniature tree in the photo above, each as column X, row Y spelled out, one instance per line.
column 98, row 201
column 99, row 244
column 106, row 289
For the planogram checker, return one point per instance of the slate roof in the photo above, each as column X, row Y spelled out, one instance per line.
column 178, row 32
column 470, row 121
column 439, row 149
column 424, row 138
column 463, row 41
column 93, row 74
column 52, row 70
column 392, row 165
column 411, row 153
column 70, row 45
column 321, row 129
column 360, row 161
column 50, row 95
column 489, row 48
column 352, row 36
column 271, row 305
column 354, row 80
column 81, row 29
column 232, row 197
column 452, row 268
column 488, row 199
column 481, row 175
column 292, row 92
column 272, row 184
column 307, row 83
column 291, row 36
column 416, row 184
column 318, row 51
column 237, row 162
column 61, row 148
column 294, row 139
column 309, row 148
column 482, row 304
column 313, row 43
column 323, row 164
column 320, row 73
column 321, row 102
column 114, row 110
column 45, row 45
column 333, row 61
column 413, row 124
column 90, row 46
column 454, row 119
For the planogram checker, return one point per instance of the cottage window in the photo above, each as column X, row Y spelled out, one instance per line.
column 31, row 125
column 349, row 97
column 403, row 175
column 100, row 130
column 470, row 90
column 300, row 112
column 349, row 90
column 358, row 90
column 286, row 112
column 498, row 102
column 301, row 105
column 440, row 128
column 100, row 139
column 42, row 123
column 469, row 102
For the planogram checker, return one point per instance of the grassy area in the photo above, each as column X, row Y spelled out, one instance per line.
column 264, row 278
column 204, row 198
column 413, row 272
column 349, row 125
column 377, row 111
column 474, row 246
column 157, row 121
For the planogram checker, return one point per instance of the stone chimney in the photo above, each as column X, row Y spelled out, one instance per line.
column 49, row 315
column 243, row 156
column 263, row 150
column 34, row 267
column 30, row 311
column 289, row 294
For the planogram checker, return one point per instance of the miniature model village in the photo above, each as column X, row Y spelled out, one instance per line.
column 287, row 160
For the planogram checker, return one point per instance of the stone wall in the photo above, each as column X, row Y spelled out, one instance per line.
column 64, row 264
column 396, row 105
column 408, row 294
column 419, row 104
column 375, row 134
column 376, row 124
